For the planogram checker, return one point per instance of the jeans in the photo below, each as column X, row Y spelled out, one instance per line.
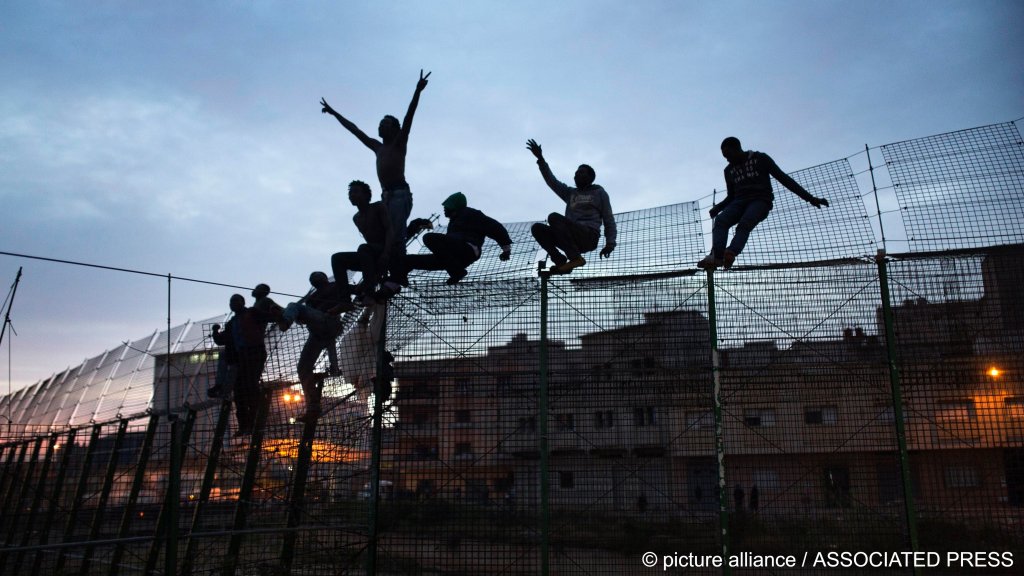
column 364, row 260
column 745, row 214
column 447, row 253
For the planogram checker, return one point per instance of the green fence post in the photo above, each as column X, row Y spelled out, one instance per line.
column 76, row 503
column 169, row 506
column 897, row 401
column 252, row 462
column 133, row 495
column 54, row 502
column 13, row 479
column 375, row 447
column 12, row 515
column 545, row 481
column 104, row 497
column 188, row 561
column 37, row 502
column 296, row 508
column 716, row 398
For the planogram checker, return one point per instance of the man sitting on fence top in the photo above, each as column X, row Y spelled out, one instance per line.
column 462, row 242
column 747, row 202
column 371, row 258
column 578, row 231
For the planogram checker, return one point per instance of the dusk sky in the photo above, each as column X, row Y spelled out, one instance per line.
column 186, row 138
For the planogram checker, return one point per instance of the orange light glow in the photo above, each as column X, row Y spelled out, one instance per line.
column 287, row 397
column 994, row 372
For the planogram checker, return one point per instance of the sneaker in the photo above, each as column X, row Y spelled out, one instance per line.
column 710, row 262
column 570, row 265
column 453, row 279
column 728, row 258
column 284, row 325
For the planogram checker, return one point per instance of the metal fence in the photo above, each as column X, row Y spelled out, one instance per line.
column 819, row 402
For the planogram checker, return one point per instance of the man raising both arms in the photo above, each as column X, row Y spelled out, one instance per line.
column 390, row 151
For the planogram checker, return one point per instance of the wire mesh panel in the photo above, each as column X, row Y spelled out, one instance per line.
column 516, row 422
column 960, row 189
column 807, row 412
column 959, row 340
column 797, row 232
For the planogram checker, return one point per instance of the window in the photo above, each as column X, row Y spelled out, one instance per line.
column 702, row 419
column 566, row 480
column 962, row 476
column 1014, row 408
column 759, row 417
column 956, row 422
column 821, row 415
column 956, row 411
column 463, row 417
column 564, row 422
column 604, row 419
column 644, row 416
column 527, row 424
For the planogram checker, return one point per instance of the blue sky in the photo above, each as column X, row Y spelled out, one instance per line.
column 186, row 137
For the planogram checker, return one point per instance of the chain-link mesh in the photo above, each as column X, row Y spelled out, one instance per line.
column 811, row 400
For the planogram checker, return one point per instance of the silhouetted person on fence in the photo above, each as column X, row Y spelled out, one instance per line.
column 227, row 365
column 390, row 151
column 755, row 498
column 747, row 202
column 462, row 242
column 269, row 310
column 586, row 207
column 371, row 258
column 244, row 332
column 318, row 311
column 737, row 497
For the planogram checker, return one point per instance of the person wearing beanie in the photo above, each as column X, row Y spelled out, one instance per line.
column 566, row 238
column 462, row 242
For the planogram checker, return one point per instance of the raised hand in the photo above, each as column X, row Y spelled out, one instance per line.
column 533, row 147
column 819, row 202
column 422, row 82
column 327, row 108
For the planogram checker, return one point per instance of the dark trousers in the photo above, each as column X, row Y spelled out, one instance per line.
column 563, row 235
column 247, row 386
column 364, row 260
column 316, row 343
column 447, row 253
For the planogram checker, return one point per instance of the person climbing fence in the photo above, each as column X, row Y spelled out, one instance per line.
column 567, row 237
column 747, row 202
column 462, row 242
